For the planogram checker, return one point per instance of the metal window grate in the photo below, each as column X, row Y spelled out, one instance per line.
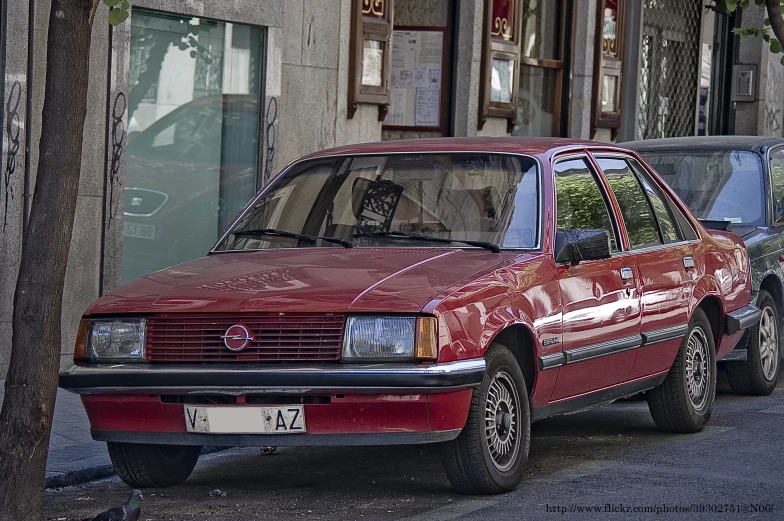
column 669, row 68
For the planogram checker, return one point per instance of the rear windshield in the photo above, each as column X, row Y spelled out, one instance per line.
column 720, row 185
column 365, row 199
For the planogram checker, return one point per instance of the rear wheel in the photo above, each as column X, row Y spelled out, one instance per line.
column 489, row 455
column 152, row 466
column 760, row 372
column 683, row 402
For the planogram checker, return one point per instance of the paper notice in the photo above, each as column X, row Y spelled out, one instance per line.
column 372, row 59
column 434, row 78
column 420, row 77
column 397, row 107
column 430, row 49
column 405, row 78
column 427, row 107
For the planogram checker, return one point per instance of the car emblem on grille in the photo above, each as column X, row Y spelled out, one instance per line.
column 237, row 338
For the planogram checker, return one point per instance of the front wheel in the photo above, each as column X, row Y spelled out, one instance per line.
column 152, row 466
column 489, row 455
column 683, row 402
column 760, row 372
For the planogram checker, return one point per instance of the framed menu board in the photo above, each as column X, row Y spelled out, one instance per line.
column 418, row 79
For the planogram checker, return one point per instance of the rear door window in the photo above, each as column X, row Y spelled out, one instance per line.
column 636, row 209
column 657, row 198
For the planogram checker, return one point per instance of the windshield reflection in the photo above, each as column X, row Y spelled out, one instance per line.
column 377, row 200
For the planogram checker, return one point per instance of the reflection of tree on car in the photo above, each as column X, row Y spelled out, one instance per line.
column 187, row 175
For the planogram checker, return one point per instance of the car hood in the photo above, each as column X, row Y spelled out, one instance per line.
column 313, row 279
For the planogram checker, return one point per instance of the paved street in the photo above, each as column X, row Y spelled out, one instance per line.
column 607, row 456
column 73, row 455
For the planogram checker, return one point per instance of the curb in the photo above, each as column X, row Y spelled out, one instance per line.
column 96, row 472
column 78, row 476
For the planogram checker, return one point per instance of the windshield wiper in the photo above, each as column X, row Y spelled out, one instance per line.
column 419, row 237
column 280, row 233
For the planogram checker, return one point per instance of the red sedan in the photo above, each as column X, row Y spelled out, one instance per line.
column 449, row 290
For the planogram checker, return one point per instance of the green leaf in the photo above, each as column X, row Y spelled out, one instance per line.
column 118, row 16
column 782, row 60
column 125, row 5
column 775, row 46
column 111, row 3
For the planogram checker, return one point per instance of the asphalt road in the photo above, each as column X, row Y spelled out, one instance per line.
column 611, row 459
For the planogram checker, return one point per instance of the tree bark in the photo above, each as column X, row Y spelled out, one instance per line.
column 776, row 20
column 31, row 383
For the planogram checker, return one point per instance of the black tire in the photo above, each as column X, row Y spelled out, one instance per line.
column 153, row 466
column 760, row 372
column 674, row 407
column 467, row 459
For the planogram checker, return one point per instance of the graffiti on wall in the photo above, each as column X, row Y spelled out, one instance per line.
column 270, row 118
column 773, row 99
column 13, row 129
column 115, row 154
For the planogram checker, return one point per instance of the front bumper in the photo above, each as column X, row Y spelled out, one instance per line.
column 241, row 379
column 373, row 404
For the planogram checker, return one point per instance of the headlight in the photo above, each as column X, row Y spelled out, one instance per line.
column 116, row 339
column 389, row 338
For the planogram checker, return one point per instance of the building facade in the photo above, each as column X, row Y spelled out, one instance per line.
column 194, row 104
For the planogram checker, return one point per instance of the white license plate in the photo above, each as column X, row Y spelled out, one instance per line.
column 141, row 231
column 289, row 419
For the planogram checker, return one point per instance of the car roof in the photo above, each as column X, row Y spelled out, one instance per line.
column 751, row 143
column 516, row 145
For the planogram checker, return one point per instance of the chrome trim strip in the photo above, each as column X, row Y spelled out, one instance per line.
column 551, row 361
column 237, row 379
column 610, row 347
column 665, row 334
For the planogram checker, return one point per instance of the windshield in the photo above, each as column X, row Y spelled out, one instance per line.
column 720, row 185
column 460, row 197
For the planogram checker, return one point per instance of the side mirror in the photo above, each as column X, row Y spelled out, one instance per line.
column 573, row 246
column 779, row 211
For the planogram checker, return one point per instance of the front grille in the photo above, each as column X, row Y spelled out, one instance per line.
column 277, row 337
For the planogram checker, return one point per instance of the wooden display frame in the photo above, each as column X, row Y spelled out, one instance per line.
column 495, row 48
column 369, row 24
column 443, row 97
column 607, row 65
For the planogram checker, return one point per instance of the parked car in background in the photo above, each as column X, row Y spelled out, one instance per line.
column 737, row 182
column 443, row 290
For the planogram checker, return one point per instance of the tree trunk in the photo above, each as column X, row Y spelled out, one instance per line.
column 31, row 383
column 776, row 20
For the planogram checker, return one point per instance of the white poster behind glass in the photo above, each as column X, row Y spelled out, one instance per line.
column 416, row 78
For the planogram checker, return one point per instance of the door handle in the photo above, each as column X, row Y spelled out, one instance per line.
column 626, row 274
column 688, row 262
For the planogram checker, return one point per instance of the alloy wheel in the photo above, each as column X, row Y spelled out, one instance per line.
column 502, row 421
column 768, row 343
column 696, row 367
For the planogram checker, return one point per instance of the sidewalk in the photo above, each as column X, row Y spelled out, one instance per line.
column 73, row 455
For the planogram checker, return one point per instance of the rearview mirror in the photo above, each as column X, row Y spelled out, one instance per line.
column 573, row 246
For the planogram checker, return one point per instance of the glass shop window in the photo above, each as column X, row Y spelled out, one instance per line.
column 193, row 136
